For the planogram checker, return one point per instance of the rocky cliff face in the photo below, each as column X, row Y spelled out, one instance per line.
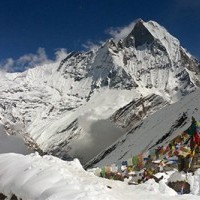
column 48, row 103
column 133, row 113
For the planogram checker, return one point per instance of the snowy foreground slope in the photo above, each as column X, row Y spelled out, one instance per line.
column 57, row 107
column 156, row 130
column 33, row 177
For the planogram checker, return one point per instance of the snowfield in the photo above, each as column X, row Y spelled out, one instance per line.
column 33, row 177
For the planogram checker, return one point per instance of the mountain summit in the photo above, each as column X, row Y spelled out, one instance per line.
column 140, row 35
column 62, row 107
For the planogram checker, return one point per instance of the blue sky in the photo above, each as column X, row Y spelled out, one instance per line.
column 38, row 28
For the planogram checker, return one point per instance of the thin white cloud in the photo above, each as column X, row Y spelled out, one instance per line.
column 7, row 64
column 93, row 141
column 26, row 61
column 12, row 143
column 118, row 33
column 89, row 45
column 31, row 60
column 61, row 54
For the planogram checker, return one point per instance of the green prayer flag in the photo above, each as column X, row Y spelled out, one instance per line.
column 135, row 160
column 192, row 129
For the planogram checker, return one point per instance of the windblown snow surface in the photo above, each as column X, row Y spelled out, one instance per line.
column 33, row 177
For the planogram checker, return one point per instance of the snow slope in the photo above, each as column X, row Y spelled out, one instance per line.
column 156, row 130
column 33, row 177
column 57, row 104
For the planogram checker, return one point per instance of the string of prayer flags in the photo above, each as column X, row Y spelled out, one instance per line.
column 179, row 146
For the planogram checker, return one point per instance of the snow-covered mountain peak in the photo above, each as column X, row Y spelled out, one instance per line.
column 50, row 100
column 151, row 33
column 140, row 35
